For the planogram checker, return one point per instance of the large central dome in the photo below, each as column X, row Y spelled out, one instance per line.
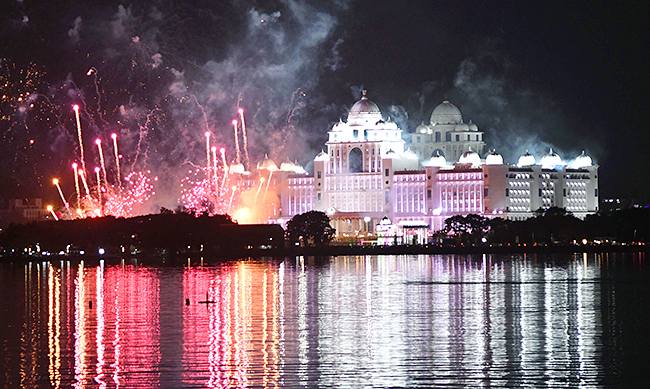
column 364, row 111
column 446, row 113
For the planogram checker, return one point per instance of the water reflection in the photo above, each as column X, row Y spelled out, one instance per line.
column 383, row 321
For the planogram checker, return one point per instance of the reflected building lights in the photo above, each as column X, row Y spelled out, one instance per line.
column 294, row 324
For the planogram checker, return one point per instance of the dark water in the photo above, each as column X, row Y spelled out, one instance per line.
column 376, row 321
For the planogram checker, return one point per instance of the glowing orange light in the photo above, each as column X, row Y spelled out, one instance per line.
column 207, row 134
column 114, row 135
column 241, row 110
column 74, row 165
column 75, row 107
column 234, row 122
column 55, row 181
column 98, row 141
column 96, row 169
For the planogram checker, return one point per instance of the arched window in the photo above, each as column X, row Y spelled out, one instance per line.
column 355, row 161
column 448, row 136
column 438, row 136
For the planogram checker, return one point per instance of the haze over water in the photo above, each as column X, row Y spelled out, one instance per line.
column 374, row 321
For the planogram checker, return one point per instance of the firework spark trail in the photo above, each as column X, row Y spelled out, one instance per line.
column 51, row 210
column 207, row 152
column 238, row 152
column 85, row 182
column 144, row 131
column 81, row 143
column 93, row 72
column 76, row 184
column 58, row 187
column 232, row 196
column 204, row 115
column 226, row 169
column 101, row 160
column 214, row 168
column 117, row 160
column 258, row 190
column 245, row 137
column 99, row 185
column 267, row 185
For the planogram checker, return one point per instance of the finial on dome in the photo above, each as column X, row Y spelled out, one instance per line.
column 364, row 93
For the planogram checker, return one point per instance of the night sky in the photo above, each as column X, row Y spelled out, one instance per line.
column 568, row 75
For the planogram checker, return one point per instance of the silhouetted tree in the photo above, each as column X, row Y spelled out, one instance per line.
column 469, row 229
column 310, row 228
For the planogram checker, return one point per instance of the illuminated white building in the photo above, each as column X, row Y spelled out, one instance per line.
column 367, row 173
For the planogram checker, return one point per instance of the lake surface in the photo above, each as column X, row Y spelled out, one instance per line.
column 368, row 321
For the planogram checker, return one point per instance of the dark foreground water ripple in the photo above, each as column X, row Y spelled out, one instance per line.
column 348, row 322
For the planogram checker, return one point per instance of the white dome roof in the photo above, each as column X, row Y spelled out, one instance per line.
column 583, row 160
column 237, row 168
column 422, row 129
column 472, row 126
column 446, row 113
column 527, row 159
column 322, row 156
column 494, row 158
column 470, row 156
column 364, row 110
column 409, row 154
column 287, row 166
column 437, row 160
column 461, row 127
column 551, row 160
column 267, row 164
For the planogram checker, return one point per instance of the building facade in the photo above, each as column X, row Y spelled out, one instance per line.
column 368, row 174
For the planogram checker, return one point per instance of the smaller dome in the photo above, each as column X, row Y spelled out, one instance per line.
column 287, row 166
column 322, row 156
column 527, row 159
column 472, row 126
column 461, row 127
column 267, row 164
column 470, row 156
column 446, row 113
column 437, row 160
column 422, row 129
column 494, row 158
column 409, row 154
column 551, row 160
column 364, row 110
column 583, row 160
column 238, row 168
column 299, row 169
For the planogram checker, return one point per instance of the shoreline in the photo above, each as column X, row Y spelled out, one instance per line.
column 333, row 251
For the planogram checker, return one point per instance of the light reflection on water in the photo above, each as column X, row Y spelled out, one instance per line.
column 368, row 321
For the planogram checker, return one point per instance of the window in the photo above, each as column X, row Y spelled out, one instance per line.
column 319, row 174
column 428, row 193
column 319, row 198
column 448, row 136
column 417, row 139
column 457, row 138
column 437, row 136
column 386, row 172
column 355, row 162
